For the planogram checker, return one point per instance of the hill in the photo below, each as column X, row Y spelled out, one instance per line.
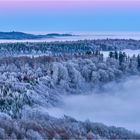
column 21, row 35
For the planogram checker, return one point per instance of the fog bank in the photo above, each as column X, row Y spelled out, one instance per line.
column 116, row 104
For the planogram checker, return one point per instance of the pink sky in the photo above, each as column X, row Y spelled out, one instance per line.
column 70, row 15
column 67, row 4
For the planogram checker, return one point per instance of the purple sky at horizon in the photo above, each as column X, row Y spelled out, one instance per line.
column 60, row 4
column 70, row 15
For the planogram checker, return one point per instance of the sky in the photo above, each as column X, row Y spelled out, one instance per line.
column 70, row 15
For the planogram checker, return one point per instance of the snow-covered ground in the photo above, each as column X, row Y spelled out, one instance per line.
column 119, row 108
column 129, row 52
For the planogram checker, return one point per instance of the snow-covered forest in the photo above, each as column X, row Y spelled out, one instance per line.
column 67, row 47
column 29, row 85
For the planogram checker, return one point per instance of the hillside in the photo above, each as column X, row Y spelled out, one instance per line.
column 21, row 35
column 31, row 86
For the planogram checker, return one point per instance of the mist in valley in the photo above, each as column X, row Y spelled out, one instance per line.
column 117, row 103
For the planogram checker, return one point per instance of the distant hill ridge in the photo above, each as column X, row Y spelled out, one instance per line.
column 21, row 35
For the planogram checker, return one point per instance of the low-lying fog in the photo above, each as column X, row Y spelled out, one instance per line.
column 116, row 104
column 82, row 36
